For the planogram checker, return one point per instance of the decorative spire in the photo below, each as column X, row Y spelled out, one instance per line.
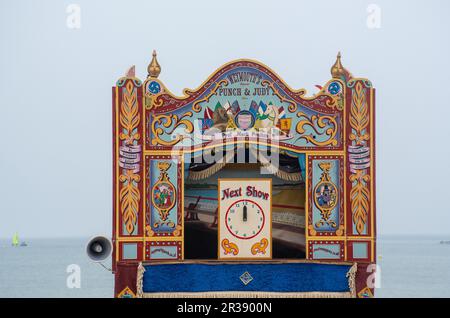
column 153, row 68
column 337, row 70
column 131, row 72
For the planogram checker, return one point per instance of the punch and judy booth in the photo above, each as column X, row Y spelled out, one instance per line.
column 244, row 186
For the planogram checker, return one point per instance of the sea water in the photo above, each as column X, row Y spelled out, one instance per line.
column 409, row 267
column 52, row 268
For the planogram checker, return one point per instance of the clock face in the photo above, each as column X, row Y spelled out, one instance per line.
column 245, row 219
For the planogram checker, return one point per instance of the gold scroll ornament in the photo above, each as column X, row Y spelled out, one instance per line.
column 166, row 121
column 229, row 248
column 317, row 123
column 260, row 247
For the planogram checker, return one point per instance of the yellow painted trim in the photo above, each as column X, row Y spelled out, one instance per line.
column 327, row 238
column 116, row 110
column 373, row 257
column 199, row 148
column 306, row 206
column 150, row 239
column 144, row 200
column 360, row 238
column 182, row 206
column 372, row 176
column 340, row 238
column 344, row 182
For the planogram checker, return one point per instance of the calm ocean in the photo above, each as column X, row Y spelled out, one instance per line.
column 410, row 267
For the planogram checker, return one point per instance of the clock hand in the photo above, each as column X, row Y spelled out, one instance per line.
column 244, row 214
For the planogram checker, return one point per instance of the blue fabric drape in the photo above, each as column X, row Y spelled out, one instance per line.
column 287, row 277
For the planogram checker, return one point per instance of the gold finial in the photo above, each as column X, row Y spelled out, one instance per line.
column 154, row 68
column 337, row 70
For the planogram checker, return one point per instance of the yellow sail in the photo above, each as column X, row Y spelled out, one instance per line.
column 15, row 241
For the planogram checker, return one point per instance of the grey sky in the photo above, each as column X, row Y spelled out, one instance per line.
column 55, row 88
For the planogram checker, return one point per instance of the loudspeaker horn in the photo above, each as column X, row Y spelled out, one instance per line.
column 99, row 248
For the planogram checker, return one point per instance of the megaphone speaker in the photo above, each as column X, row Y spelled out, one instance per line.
column 99, row 248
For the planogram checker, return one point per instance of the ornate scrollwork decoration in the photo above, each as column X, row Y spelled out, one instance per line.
column 129, row 115
column 340, row 230
column 229, row 248
column 359, row 115
column 149, row 231
column 360, row 196
column 260, row 247
column 177, row 230
column 325, row 196
column 318, row 123
column 196, row 107
column 129, row 197
column 334, row 103
column 167, row 121
column 292, row 105
column 312, row 230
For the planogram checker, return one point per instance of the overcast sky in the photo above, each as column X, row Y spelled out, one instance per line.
column 55, row 89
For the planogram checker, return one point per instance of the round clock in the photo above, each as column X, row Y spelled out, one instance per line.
column 244, row 219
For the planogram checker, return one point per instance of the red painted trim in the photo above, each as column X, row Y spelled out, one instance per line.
column 114, row 159
column 373, row 112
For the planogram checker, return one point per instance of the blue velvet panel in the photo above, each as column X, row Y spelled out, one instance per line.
column 287, row 277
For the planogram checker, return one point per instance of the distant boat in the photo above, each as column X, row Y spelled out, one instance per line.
column 15, row 241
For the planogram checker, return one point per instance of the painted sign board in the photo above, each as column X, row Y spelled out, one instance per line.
column 245, row 219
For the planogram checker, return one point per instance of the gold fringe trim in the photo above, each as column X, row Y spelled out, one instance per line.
column 351, row 275
column 206, row 173
column 295, row 176
column 200, row 175
column 236, row 294
column 203, row 174
column 140, row 281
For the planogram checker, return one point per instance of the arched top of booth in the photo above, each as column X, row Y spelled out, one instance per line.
column 231, row 79
column 243, row 98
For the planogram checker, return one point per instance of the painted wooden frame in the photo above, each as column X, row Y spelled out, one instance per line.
column 334, row 128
